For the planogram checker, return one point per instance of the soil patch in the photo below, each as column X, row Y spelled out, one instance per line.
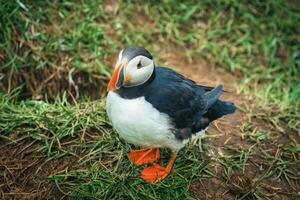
column 24, row 169
column 50, row 82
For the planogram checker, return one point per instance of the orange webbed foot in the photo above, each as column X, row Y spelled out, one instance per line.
column 144, row 156
column 155, row 173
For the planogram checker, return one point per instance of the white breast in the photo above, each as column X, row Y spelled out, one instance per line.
column 139, row 123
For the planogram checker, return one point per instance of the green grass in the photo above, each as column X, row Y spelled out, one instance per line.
column 56, row 57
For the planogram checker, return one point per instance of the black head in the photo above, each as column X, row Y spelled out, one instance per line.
column 133, row 51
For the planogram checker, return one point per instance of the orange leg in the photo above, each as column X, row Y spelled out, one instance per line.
column 144, row 156
column 156, row 172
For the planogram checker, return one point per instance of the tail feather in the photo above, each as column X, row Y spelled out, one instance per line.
column 212, row 96
column 219, row 109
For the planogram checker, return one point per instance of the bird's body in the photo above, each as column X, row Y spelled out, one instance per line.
column 161, row 113
column 163, row 109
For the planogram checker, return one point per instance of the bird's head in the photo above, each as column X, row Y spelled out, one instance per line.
column 134, row 67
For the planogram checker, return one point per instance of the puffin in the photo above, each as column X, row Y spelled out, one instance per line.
column 155, row 107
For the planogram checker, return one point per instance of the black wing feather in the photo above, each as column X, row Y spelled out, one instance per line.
column 182, row 99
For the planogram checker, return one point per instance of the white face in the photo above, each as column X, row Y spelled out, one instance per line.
column 138, row 71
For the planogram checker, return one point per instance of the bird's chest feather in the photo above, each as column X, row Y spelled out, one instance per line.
column 138, row 122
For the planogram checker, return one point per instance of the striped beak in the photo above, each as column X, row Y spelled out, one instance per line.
column 118, row 78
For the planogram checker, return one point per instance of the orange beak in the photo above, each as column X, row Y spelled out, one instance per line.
column 112, row 85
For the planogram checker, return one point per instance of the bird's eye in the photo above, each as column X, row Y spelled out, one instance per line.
column 139, row 65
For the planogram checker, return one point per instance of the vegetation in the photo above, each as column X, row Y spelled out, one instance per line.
column 57, row 56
